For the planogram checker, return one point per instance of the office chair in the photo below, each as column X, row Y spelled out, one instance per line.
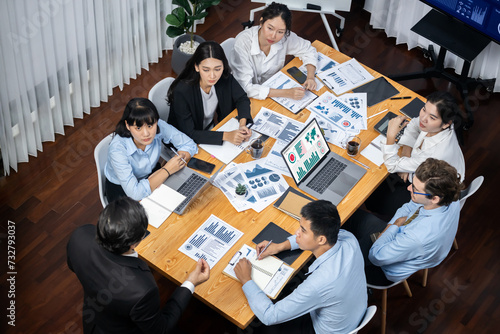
column 384, row 299
column 370, row 312
column 158, row 95
column 227, row 46
column 100, row 156
column 469, row 191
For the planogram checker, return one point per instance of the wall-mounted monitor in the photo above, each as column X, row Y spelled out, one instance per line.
column 482, row 15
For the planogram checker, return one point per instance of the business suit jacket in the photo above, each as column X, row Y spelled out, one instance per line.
column 120, row 293
column 186, row 111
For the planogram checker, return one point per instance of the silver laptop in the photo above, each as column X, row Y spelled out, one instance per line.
column 189, row 183
column 317, row 170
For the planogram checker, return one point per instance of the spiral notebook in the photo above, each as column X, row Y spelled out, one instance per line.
column 270, row 274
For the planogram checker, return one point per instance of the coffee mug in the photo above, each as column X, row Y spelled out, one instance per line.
column 256, row 148
column 352, row 146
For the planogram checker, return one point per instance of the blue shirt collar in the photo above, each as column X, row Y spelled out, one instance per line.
column 325, row 256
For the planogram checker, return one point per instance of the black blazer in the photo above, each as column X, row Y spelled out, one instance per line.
column 120, row 293
column 186, row 111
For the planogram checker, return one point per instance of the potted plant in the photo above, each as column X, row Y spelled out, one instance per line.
column 181, row 22
column 240, row 191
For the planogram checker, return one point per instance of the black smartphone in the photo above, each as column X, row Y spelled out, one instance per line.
column 297, row 74
column 202, row 166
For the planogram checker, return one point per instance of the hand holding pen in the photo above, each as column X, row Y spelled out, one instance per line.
column 177, row 154
column 261, row 248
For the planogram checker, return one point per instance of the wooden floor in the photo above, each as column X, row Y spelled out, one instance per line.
column 57, row 191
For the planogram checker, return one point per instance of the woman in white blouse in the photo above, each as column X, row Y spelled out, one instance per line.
column 259, row 52
column 431, row 135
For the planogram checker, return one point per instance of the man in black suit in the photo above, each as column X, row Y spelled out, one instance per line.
column 120, row 293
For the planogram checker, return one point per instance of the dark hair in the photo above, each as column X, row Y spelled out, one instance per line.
column 278, row 9
column 205, row 50
column 121, row 224
column 441, row 179
column 446, row 106
column 138, row 111
column 324, row 218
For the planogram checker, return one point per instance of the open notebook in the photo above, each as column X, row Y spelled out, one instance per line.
column 160, row 204
column 270, row 274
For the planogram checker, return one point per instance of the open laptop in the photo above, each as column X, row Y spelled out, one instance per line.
column 317, row 170
column 189, row 183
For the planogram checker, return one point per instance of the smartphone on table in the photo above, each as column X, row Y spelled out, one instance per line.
column 297, row 74
column 202, row 166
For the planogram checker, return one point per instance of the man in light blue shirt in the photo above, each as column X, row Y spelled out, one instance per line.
column 421, row 232
column 333, row 297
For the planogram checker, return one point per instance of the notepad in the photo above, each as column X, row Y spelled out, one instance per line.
column 291, row 202
column 413, row 108
column 278, row 235
column 270, row 274
column 160, row 204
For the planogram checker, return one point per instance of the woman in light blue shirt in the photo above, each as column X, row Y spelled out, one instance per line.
column 133, row 167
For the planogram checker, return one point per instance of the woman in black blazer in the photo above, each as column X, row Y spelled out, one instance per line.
column 204, row 94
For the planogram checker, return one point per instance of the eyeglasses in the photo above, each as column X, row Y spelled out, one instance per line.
column 413, row 191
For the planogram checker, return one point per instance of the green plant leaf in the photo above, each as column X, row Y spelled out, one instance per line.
column 174, row 31
column 200, row 16
column 184, row 4
column 205, row 4
column 177, row 18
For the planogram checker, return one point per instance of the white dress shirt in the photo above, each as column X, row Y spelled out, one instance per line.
column 442, row 146
column 251, row 67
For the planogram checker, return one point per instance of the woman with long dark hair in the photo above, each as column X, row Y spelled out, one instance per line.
column 260, row 52
column 205, row 93
column 133, row 167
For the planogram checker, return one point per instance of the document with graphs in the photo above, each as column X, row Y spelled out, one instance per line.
column 270, row 274
column 346, row 76
column 211, row 241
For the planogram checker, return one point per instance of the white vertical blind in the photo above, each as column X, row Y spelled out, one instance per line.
column 59, row 58
column 397, row 17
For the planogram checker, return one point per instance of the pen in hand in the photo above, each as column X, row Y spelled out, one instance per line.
column 177, row 154
column 258, row 254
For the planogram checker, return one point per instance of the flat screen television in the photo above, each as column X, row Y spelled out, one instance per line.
column 482, row 15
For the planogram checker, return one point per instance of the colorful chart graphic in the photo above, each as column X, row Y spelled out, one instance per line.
column 292, row 158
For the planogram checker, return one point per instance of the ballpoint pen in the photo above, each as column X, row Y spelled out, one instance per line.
column 258, row 254
column 177, row 154
column 362, row 164
column 401, row 98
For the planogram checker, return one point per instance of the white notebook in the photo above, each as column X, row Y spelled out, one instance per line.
column 160, row 204
column 270, row 274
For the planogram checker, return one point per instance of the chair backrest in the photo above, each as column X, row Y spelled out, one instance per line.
column 370, row 312
column 101, row 156
column 158, row 95
column 227, row 46
column 471, row 189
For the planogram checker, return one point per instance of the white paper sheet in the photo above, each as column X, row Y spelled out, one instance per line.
column 281, row 81
column 211, row 241
column 373, row 151
column 275, row 125
column 346, row 76
column 228, row 151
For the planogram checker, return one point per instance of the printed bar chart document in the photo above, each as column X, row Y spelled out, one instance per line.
column 270, row 274
column 211, row 241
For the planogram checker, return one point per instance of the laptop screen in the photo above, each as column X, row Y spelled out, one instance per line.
column 305, row 151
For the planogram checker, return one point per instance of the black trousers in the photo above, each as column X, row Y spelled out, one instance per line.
column 389, row 197
column 300, row 325
column 362, row 224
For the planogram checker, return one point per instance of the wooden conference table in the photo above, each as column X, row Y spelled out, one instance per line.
column 220, row 292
